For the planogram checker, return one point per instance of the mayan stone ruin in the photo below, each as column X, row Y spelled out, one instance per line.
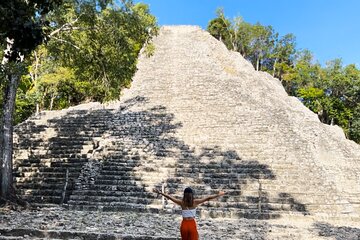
column 196, row 115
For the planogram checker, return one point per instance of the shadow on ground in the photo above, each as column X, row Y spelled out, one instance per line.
column 338, row 233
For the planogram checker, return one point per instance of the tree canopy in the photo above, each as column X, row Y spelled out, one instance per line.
column 90, row 54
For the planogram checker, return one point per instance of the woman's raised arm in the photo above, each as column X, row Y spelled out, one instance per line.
column 175, row 200
column 202, row 200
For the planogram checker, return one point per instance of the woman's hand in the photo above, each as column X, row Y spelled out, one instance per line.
column 221, row 193
column 155, row 190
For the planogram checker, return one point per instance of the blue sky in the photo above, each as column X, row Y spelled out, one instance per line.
column 328, row 28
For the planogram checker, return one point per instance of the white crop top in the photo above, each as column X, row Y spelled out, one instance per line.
column 189, row 213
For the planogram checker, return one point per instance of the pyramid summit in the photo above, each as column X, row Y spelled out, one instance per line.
column 196, row 115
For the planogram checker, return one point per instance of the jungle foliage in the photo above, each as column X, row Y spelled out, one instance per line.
column 90, row 54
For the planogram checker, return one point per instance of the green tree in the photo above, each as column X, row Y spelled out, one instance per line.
column 283, row 55
column 244, row 36
column 101, row 49
column 305, row 73
column 342, row 88
column 312, row 98
column 22, row 28
column 220, row 28
column 261, row 44
column 354, row 131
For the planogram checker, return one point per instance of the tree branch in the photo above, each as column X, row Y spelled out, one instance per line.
column 64, row 41
column 64, row 27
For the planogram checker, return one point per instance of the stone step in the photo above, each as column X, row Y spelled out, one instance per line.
column 120, row 178
column 123, row 180
column 77, row 140
column 255, row 206
column 34, row 166
column 51, row 157
column 111, row 206
column 224, row 172
column 36, row 234
column 122, row 163
column 29, row 141
column 46, row 160
column 111, row 168
column 240, row 213
column 41, row 179
column 64, row 152
column 233, row 198
column 112, row 177
column 73, row 158
column 70, row 164
column 48, row 169
column 81, row 129
column 13, row 238
column 110, row 200
column 80, row 135
column 111, row 190
column 64, row 138
column 42, row 199
column 172, row 180
column 55, row 147
column 43, row 185
column 120, row 172
column 202, row 212
column 86, row 121
column 119, row 187
column 20, row 164
column 142, row 161
column 29, row 160
column 112, row 193
column 65, row 149
column 40, row 192
column 114, row 180
column 79, row 126
column 40, row 175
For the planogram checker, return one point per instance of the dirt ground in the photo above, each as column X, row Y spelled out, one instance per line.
column 59, row 223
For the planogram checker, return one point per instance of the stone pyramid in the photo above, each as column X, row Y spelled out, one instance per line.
column 196, row 115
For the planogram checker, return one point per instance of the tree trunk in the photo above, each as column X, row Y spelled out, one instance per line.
column 7, row 134
column 52, row 101
column 274, row 67
column 37, row 109
column 1, row 143
column 257, row 63
column 34, row 72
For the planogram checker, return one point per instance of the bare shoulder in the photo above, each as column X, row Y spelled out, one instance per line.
column 197, row 202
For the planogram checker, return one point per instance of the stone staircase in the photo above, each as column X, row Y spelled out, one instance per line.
column 197, row 115
column 136, row 156
column 50, row 152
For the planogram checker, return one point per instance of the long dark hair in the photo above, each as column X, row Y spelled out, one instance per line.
column 188, row 198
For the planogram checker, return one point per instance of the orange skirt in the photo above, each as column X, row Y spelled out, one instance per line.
column 188, row 230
